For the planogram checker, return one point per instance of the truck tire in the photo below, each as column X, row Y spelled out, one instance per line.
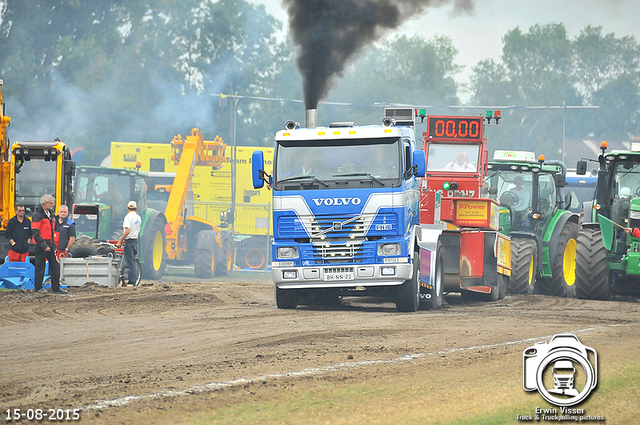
column 563, row 270
column 435, row 301
column 224, row 258
column 523, row 266
column 286, row 298
column 593, row 281
column 203, row 266
column 408, row 294
column 83, row 251
column 154, row 252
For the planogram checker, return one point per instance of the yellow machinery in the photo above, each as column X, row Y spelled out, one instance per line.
column 211, row 191
column 29, row 170
column 193, row 239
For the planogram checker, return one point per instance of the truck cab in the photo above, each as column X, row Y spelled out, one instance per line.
column 345, row 211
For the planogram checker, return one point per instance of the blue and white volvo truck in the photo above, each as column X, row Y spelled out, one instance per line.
column 346, row 210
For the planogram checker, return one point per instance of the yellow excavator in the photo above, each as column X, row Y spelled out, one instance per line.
column 29, row 170
column 191, row 239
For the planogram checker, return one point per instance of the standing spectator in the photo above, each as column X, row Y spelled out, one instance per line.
column 42, row 229
column 19, row 232
column 131, row 230
column 65, row 230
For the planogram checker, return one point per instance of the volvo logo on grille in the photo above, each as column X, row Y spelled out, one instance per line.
column 337, row 201
column 337, row 226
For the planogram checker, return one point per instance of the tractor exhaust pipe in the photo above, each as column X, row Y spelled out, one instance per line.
column 311, row 118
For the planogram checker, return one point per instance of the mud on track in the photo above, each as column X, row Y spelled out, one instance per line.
column 161, row 352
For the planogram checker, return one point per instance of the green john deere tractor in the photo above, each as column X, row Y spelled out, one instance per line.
column 608, row 259
column 543, row 232
column 102, row 195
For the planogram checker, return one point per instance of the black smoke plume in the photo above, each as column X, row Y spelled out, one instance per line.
column 329, row 32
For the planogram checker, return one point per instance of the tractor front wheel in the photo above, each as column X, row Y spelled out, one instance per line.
column 523, row 266
column 593, row 280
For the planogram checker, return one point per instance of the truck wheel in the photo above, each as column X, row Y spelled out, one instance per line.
column 593, row 281
column 203, row 266
column 503, row 284
column 286, row 298
column 562, row 284
column 435, row 301
column 523, row 266
column 154, row 254
column 408, row 294
column 224, row 258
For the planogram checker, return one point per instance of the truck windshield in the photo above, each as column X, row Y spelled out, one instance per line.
column 337, row 164
column 452, row 157
column 34, row 179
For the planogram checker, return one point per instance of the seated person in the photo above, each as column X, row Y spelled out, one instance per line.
column 524, row 198
column 460, row 163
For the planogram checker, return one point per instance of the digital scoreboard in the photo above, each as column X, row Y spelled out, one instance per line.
column 454, row 128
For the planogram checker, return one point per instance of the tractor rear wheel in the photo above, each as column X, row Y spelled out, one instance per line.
column 523, row 266
column 562, row 284
column 593, row 280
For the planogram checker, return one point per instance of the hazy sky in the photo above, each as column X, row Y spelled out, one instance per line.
column 479, row 36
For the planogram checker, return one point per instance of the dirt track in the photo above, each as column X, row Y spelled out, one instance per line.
column 162, row 352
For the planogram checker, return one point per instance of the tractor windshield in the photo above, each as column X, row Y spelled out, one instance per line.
column 513, row 190
column 626, row 185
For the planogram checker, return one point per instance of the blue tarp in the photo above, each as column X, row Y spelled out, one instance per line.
column 15, row 275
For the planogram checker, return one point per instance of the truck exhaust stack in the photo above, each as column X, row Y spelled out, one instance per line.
column 311, row 118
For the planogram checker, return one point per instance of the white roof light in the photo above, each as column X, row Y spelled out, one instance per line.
column 519, row 156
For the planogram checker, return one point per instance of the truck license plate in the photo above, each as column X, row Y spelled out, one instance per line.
column 338, row 276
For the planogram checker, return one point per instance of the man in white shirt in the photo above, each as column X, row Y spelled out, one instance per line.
column 131, row 230
column 460, row 164
column 524, row 197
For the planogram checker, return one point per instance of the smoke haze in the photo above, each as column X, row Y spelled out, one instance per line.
column 329, row 33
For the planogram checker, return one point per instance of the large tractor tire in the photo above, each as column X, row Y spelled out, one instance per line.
column 224, row 257
column 154, row 254
column 204, row 264
column 287, row 298
column 408, row 294
column 563, row 270
column 593, row 281
column 434, row 302
column 524, row 256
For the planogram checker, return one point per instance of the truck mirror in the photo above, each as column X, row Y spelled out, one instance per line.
column 581, row 168
column 560, row 180
column 257, row 165
column 69, row 168
column 419, row 161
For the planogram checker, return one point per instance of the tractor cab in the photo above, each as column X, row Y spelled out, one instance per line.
column 528, row 187
column 102, row 195
column 543, row 232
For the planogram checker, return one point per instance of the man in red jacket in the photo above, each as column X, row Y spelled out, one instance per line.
column 633, row 232
column 42, row 229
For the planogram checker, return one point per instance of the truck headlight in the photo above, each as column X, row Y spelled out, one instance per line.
column 388, row 271
column 389, row 249
column 284, row 252
column 290, row 274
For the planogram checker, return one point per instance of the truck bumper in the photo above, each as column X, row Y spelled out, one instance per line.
column 341, row 276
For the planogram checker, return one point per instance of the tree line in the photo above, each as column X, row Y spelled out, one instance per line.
column 135, row 70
